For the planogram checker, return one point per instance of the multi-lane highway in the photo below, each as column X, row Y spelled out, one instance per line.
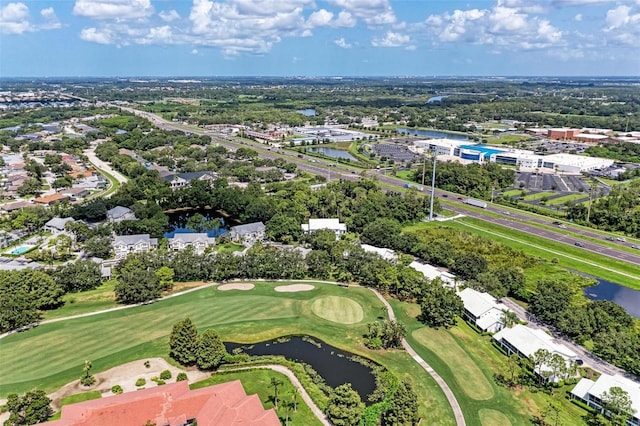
column 333, row 171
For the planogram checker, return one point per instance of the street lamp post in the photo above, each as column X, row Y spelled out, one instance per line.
column 433, row 185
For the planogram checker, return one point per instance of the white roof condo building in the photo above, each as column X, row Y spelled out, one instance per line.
column 525, row 341
column 320, row 224
column 590, row 393
column 385, row 253
column 431, row 272
column 483, row 310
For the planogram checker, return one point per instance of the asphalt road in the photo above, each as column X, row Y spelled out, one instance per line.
column 334, row 171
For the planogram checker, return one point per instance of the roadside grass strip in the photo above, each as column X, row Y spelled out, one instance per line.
column 538, row 196
column 566, row 198
column 621, row 272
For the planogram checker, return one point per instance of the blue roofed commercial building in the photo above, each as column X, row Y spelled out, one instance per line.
column 456, row 150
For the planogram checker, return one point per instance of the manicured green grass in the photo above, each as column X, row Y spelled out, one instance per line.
column 338, row 309
column 259, row 382
column 464, row 345
column 229, row 247
column 512, row 193
column 489, row 417
column 464, row 369
column 404, row 174
column 566, row 198
column 538, row 196
column 113, row 338
column 87, row 301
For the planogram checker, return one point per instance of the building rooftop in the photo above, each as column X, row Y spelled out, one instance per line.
column 48, row 199
column 248, row 228
column 318, row 224
column 384, row 253
column 431, row 272
column 606, row 382
column 58, row 223
column 118, row 211
column 188, row 237
column 134, row 239
column 528, row 340
column 172, row 404
column 478, row 303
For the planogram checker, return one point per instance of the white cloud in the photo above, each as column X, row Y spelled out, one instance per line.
column 372, row 12
column 578, row 17
column 113, row 9
column 51, row 21
column 14, row 19
column 96, row 36
column 194, row 51
column 345, row 20
column 393, row 39
column 341, row 42
column 623, row 26
column 505, row 26
column 319, row 18
column 169, row 16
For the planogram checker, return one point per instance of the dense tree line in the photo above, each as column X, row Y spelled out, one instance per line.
column 474, row 180
column 619, row 211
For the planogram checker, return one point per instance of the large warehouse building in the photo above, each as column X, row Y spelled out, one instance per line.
column 480, row 153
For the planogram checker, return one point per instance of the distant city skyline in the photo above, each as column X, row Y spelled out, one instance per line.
column 106, row 38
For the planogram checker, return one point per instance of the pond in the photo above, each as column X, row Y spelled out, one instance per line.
column 309, row 112
column 333, row 153
column 436, row 99
column 433, row 134
column 625, row 297
column 178, row 222
column 334, row 365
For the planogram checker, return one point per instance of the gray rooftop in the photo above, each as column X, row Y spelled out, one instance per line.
column 192, row 237
column 248, row 228
column 118, row 211
column 135, row 239
column 58, row 223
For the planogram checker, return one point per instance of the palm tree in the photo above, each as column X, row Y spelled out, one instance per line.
column 275, row 383
column 509, row 318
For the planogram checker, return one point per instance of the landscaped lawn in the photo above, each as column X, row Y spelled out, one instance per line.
column 467, row 361
column 512, row 193
column 538, row 196
column 404, row 174
column 259, row 382
column 564, row 199
column 52, row 355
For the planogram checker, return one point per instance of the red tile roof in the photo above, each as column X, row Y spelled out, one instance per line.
column 50, row 199
column 173, row 404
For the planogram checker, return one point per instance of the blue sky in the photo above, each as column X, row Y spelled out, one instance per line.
column 319, row 37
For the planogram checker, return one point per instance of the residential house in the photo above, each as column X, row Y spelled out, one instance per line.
column 11, row 264
column 8, row 238
column 321, row 224
column 248, row 233
column 91, row 182
column 525, row 341
column 57, row 224
column 385, row 253
column 18, row 205
column 199, row 242
column 49, row 200
column 171, row 404
column 181, row 180
column 75, row 193
column 590, row 393
column 139, row 243
column 431, row 272
column 483, row 310
column 120, row 213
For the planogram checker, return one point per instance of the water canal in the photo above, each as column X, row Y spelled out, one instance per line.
column 334, row 365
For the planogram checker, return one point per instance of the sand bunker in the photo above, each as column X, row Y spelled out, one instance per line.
column 294, row 287
column 238, row 286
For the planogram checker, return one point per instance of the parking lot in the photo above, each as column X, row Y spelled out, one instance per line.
column 397, row 153
column 550, row 182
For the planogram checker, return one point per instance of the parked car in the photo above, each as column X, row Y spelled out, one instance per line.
column 621, row 239
column 610, row 239
column 635, row 246
column 579, row 244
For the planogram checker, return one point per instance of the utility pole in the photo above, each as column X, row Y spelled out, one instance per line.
column 433, row 186
column 424, row 166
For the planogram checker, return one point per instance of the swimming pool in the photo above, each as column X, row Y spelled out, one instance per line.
column 20, row 250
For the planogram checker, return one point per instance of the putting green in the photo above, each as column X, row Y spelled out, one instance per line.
column 338, row 309
column 464, row 369
column 489, row 417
